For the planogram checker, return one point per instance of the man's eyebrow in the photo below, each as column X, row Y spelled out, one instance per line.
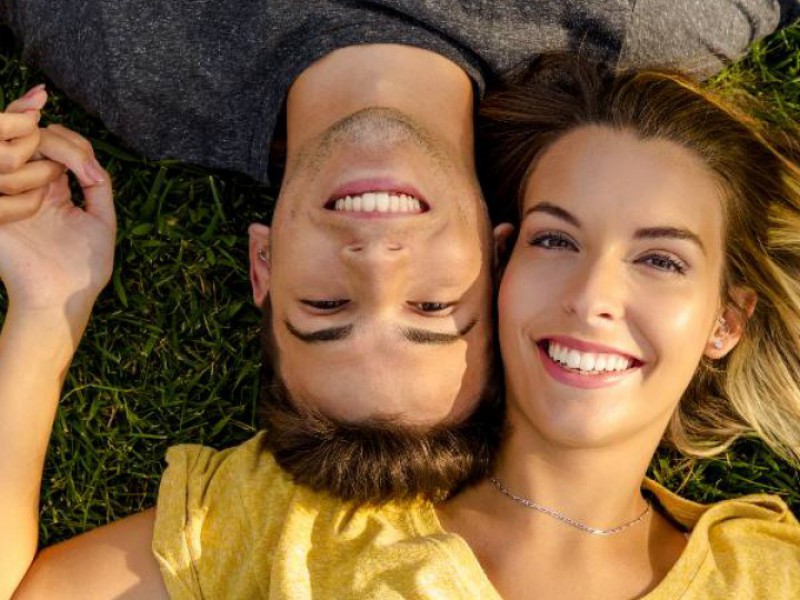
column 329, row 334
column 424, row 336
column 672, row 233
column 555, row 211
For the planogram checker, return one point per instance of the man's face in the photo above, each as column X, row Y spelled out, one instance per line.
column 379, row 274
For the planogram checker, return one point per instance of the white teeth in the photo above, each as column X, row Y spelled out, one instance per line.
column 574, row 359
column 600, row 363
column 563, row 351
column 384, row 202
column 587, row 362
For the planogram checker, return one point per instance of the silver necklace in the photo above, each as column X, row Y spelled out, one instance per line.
column 559, row 516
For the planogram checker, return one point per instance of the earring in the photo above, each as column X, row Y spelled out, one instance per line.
column 263, row 254
column 723, row 329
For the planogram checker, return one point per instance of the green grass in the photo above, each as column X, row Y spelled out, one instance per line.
column 171, row 354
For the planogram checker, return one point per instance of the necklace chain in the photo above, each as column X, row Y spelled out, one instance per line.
column 559, row 516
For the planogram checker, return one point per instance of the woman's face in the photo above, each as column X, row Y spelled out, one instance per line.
column 612, row 292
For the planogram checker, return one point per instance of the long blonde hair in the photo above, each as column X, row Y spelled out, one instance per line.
column 756, row 388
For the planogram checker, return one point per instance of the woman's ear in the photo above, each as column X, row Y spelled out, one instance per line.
column 732, row 322
column 260, row 262
column 502, row 234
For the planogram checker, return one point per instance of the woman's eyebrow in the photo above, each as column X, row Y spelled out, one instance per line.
column 672, row 233
column 555, row 211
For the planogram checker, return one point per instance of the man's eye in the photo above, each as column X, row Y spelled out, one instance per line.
column 553, row 240
column 431, row 307
column 325, row 304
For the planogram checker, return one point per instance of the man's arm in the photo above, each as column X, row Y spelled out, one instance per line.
column 700, row 37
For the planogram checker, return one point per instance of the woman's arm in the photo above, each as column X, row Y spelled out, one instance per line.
column 114, row 561
column 53, row 263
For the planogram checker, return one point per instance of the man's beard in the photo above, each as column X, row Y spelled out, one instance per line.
column 378, row 461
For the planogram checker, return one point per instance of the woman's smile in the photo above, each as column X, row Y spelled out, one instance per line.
column 584, row 365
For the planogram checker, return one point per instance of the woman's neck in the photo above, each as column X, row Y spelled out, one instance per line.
column 526, row 553
column 597, row 486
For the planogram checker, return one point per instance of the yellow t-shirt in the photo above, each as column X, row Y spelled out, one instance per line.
column 232, row 525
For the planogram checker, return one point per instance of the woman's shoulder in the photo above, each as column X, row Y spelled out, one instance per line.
column 212, row 504
column 746, row 547
column 758, row 508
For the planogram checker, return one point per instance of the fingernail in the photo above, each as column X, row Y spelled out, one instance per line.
column 33, row 91
column 94, row 171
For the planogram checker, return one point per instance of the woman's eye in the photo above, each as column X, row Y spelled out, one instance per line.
column 665, row 262
column 553, row 241
column 325, row 304
column 431, row 307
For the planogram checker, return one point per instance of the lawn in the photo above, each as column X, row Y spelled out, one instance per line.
column 171, row 354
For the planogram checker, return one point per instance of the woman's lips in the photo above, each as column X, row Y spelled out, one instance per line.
column 587, row 379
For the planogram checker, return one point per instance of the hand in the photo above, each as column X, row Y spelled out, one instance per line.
column 60, row 258
column 23, row 179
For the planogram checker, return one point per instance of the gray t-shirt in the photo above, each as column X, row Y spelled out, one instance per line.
column 205, row 80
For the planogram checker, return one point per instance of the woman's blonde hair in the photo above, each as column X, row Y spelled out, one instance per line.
column 756, row 388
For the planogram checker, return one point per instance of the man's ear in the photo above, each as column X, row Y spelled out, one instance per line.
column 260, row 265
column 502, row 235
column 732, row 322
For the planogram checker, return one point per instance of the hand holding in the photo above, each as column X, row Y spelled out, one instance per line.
column 60, row 258
column 24, row 175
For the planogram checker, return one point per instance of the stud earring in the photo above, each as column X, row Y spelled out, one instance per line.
column 263, row 255
column 717, row 344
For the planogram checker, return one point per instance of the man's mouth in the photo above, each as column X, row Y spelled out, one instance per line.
column 585, row 362
column 377, row 202
column 377, row 196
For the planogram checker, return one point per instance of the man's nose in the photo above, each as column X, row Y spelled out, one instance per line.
column 595, row 293
column 380, row 267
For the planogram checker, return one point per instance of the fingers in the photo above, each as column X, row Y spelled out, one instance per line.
column 58, row 192
column 99, row 199
column 21, row 139
column 19, row 130
column 34, row 99
column 75, row 152
column 16, row 125
column 22, row 206
column 29, row 176
column 72, row 136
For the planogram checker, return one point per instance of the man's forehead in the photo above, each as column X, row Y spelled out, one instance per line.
column 386, row 385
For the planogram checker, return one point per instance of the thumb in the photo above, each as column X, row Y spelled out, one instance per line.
column 99, row 196
column 34, row 99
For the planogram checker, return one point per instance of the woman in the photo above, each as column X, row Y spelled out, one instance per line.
column 654, row 286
